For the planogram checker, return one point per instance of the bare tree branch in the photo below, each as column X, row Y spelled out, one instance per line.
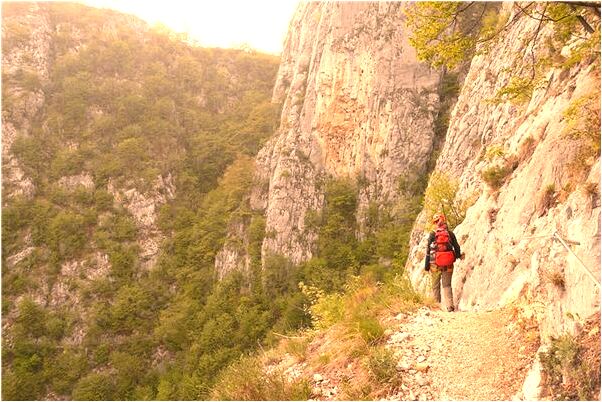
column 478, row 20
column 588, row 28
column 508, row 25
column 591, row 4
column 534, row 40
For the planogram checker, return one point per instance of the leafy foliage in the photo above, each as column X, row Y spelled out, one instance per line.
column 582, row 119
column 518, row 91
column 445, row 33
column 441, row 196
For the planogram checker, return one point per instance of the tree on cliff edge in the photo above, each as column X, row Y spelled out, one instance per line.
column 447, row 33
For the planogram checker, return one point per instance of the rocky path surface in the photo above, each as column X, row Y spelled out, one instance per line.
column 438, row 355
column 460, row 356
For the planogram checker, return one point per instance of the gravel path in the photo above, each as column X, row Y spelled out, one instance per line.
column 460, row 356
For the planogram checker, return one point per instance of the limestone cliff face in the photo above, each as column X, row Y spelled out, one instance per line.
column 356, row 103
column 31, row 55
column 144, row 208
column 510, row 254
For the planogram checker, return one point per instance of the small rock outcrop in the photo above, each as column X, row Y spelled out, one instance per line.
column 144, row 208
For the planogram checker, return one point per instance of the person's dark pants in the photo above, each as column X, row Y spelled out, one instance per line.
column 442, row 279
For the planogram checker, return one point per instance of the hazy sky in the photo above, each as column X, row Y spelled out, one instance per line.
column 262, row 24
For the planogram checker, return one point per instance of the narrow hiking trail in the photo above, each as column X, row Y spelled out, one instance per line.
column 461, row 355
column 439, row 355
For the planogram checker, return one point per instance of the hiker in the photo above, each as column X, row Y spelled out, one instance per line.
column 441, row 251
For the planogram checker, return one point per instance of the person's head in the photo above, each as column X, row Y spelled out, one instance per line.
column 438, row 219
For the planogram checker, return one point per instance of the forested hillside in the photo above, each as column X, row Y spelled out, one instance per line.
column 126, row 153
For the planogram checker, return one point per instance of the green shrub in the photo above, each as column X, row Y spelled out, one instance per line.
column 377, row 272
column 94, row 387
column 256, row 234
column 132, row 308
column 31, row 153
column 278, row 275
column 582, row 119
column 383, row 366
column 21, row 384
column 440, row 196
column 67, row 235
column 518, row 91
column 326, row 309
column 65, row 370
column 495, row 176
column 294, row 312
column 340, row 253
column 246, row 379
column 313, row 220
column 101, row 354
column 494, row 151
column 585, row 51
column 56, row 326
column 66, row 162
column 31, row 319
column 369, row 328
column 572, row 366
column 129, row 371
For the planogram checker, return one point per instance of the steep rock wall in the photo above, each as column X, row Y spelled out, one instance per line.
column 29, row 55
column 510, row 254
column 356, row 103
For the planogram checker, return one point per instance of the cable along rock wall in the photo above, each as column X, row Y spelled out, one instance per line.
column 356, row 104
column 549, row 187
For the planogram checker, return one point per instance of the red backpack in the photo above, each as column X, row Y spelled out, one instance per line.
column 444, row 254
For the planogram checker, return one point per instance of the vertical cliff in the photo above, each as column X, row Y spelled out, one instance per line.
column 25, row 57
column 356, row 104
column 533, row 176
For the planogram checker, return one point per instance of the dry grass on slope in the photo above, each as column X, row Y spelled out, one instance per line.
column 345, row 358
